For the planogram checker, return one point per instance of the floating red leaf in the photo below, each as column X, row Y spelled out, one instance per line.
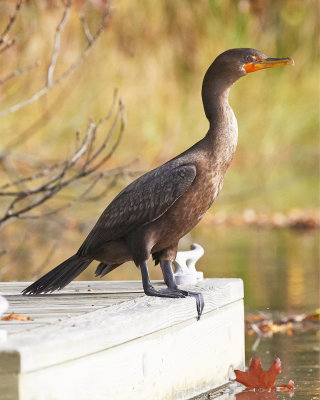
column 256, row 377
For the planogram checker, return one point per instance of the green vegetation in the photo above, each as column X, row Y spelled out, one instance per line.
column 156, row 54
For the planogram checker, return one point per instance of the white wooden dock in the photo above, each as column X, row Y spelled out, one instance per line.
column 107, row 340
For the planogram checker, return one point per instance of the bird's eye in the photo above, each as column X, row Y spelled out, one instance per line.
column 249, row 59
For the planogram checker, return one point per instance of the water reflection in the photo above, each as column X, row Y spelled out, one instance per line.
column 256, row 396
column 280, row 269
column 299, row 356
column 296, row 285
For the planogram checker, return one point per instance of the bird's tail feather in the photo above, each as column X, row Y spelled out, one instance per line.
column 103, row 269
column 60, row 276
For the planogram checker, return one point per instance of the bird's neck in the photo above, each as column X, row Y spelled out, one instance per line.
column 217, row 108
column 223, row 131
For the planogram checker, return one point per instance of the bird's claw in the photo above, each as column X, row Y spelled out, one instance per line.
column 199, row 301
column 177, row 293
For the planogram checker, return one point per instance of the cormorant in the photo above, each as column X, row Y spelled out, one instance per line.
column 155, row 211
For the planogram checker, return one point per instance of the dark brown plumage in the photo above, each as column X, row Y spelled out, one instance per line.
column 150, row 215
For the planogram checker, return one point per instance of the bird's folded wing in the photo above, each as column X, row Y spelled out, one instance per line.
column 141, row 202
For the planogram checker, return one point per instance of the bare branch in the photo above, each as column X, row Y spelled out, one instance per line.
column 59, row 175
column 33, row 177
column 29, row 193
column 44, row 215
column 111, row 131
column 11, row 21
column 19, row 72
column 65, row 166
column 121, row 116
column 76, row 64
column 116, row 173
column 7, row 45
column 24, row 103
column 86, row 29
column 30, row 131
column 56, row 47
column 91, row 186
column 50, row 82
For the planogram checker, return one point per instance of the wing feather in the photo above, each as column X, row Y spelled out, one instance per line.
column 141, row 202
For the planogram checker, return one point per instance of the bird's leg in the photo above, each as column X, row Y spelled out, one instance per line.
column 168, row 276
column 172, row 291
column 173, row 288
column 150, row 290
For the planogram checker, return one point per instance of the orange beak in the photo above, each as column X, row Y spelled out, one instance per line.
column 263, row 63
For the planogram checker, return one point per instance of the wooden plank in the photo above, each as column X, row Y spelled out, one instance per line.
column 109, row 326
column 15, row 288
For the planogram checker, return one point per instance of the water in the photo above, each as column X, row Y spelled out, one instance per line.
column 280, row 269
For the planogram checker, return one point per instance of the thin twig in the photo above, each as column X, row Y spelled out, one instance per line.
column 56, row 47
column 30, row 131
column 19, row 72
column 86, row 29
column 117, row 172
column 67, row 174
column 7, row 45
column 99, row 123
column 24, row 103
column 33, row 177
column 114, row 173
column 109, row 135
column 11, row 21
column 64, row 74
column 45, row 215
column 80, row 148
column 91, row 186
column 84, row 54
column 121, row 116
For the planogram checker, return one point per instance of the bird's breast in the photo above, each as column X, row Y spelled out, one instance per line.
column 188, row 210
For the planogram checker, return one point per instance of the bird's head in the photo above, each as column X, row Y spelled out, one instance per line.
column 235, row 63
column 231, row 65
column 250, row 60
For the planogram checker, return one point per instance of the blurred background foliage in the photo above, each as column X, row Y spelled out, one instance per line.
column 156, row 53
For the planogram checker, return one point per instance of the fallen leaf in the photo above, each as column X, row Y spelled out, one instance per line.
column 256, row 377
column 14, row 316
column 260, row 385
column 253, row 318
column 264, row 325
column 313, row 317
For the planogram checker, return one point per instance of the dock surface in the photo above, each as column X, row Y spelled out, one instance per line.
column 107, row 340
